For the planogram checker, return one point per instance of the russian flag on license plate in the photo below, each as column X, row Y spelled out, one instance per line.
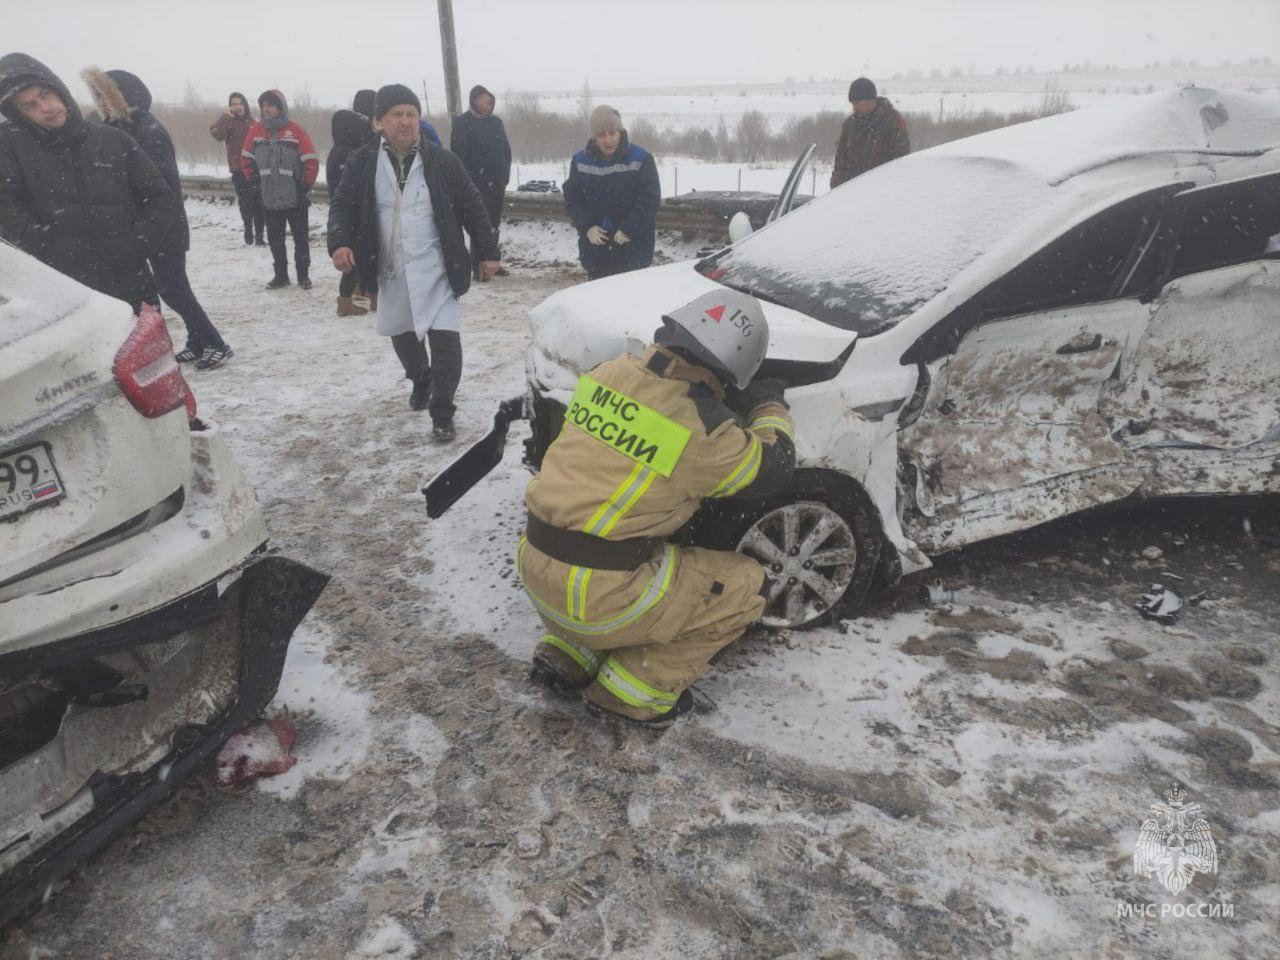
column 45, row 490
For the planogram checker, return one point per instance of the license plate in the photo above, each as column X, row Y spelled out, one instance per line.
column 28, row 479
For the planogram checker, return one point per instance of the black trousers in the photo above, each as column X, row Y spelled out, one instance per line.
column 250, row 203
column 442, row 368
column 175, row 289
column 297, row 220
column 347, row 284
column 494, row 194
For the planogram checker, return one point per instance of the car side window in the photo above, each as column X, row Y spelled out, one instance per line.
column 1084, row 265
column 1230, row 224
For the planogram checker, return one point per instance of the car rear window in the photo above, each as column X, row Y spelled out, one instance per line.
column 870, row 252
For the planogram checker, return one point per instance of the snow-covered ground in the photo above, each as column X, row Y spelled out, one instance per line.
column 965, row 781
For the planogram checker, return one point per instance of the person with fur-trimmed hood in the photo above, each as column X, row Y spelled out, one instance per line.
column 125, row 103
column 480, row 141
column 279, row 157
column 874, row 133
column 231, row 128
column 612, row 196
column 82, row 197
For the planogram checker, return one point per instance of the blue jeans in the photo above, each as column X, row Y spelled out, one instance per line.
column 175, row 290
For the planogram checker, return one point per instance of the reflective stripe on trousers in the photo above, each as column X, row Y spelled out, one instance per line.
column 588, row 660
column 652, row 595
column 631, row 690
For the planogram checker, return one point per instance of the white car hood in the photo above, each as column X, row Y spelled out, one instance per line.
column 588, row 324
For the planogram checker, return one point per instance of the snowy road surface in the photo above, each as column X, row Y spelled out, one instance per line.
column 966, row 782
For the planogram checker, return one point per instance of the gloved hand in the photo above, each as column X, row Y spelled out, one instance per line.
column 620, row 238
column 596, row 236
column 763, row 391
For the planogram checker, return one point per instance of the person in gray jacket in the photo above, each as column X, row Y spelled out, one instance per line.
column 280, row 159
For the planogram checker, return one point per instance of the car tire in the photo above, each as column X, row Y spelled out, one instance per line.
column 817, row 518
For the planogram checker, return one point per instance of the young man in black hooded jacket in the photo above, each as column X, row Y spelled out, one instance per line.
column 125, row 103
column 480, row 141
column 84, row 198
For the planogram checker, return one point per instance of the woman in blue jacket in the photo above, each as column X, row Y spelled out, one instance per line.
column 612, row 196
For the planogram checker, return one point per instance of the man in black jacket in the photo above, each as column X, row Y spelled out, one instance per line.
column 480, row 141
column 415, row 257
column 83, row 198
column 125, row 103
column 351, row 131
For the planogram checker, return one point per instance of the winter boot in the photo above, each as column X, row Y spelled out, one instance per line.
column 278, row 281
column 562, row 667
column 442, row 431
column 304, row 282
column 602, row 704
column 347, row 308
column 248, row 236
column 420, row 394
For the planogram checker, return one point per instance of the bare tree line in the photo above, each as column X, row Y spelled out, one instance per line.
column 540, row 135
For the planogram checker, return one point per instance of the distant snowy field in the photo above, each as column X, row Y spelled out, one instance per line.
column 706, row 106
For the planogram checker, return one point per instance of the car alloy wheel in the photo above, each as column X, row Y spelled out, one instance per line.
column 810, row 554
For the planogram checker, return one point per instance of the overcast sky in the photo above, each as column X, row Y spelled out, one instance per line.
column 336, row 47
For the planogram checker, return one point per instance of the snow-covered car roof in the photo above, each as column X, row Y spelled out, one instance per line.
column 963, row 213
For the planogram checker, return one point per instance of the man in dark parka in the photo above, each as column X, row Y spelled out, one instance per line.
column 84, row 198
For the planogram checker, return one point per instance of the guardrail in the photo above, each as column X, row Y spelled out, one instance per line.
column 518, row 206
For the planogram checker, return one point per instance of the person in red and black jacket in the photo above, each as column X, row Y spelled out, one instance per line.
column 231, row 128
column 280, row 159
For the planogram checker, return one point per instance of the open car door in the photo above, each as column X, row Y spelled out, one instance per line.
column 787, row 199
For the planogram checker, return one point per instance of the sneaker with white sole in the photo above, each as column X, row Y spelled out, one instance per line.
column 214, row 357
column 188, row 355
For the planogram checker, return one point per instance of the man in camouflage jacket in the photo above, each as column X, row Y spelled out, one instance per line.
column 874, row 134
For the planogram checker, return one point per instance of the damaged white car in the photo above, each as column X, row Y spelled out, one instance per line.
column 141, row 621
column 986, row 335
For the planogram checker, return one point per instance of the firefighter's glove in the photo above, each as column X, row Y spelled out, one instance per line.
column 620, row 238
column 596, row 236
column 760, row 392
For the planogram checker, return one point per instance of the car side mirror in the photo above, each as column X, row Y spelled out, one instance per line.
column 739, row 227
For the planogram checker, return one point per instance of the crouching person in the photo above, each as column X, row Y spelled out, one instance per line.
column 633, row 620
column 397, row 218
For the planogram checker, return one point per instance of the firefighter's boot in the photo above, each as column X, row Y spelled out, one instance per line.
column 603, row 704
column 562, row 667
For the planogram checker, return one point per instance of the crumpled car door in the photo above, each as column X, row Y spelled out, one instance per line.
column 1207, row 366
column 1016, row 405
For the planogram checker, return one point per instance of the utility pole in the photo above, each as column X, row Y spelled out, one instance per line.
column 449, row 46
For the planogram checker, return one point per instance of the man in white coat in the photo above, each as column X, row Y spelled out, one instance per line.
column 397, row 217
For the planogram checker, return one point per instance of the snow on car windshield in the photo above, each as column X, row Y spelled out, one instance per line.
column 872, row 251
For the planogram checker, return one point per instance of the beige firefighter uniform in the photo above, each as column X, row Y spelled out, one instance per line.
column 645, row 440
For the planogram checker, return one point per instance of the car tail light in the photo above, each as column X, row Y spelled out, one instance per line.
column 147, row 372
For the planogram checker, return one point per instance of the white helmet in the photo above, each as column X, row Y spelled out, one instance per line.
column 725, row 330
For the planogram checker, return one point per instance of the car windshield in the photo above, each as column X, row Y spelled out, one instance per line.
column 869, row 253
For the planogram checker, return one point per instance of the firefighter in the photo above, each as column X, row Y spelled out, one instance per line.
column 632, row 620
